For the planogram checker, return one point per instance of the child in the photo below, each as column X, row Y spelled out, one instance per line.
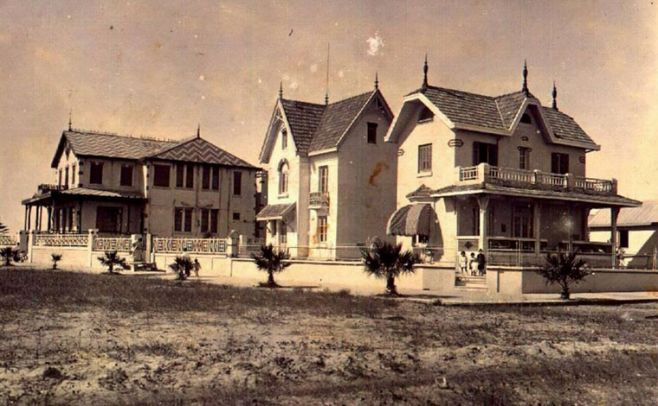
column 463, row 262
column 473, row 264
column 197, row 267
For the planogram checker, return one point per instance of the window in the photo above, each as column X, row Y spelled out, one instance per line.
column 322, row 228
column 187, row 226
column 161, row 175
column 66, row 177
column 372, row 133
column 108, row 219
column 284, row 139
column 96, row 173
column 215, row 178
column 205, row 177
column 522, row 221
column 214, row 216
column 237, row 183
column 524, row 158
column 236, row 216
column 59, row 178
column 525, row 118
column 180, row 175
column 73, row 172
column 485, row 153
column 425, row 158
column 205, row 217
column 283, row 178
column 178, row 220
column 127, row 175
column 323, row 177
column 559, row 163
column 475, row 215
column 623, row 238
column 425, row 115
column 189, row 176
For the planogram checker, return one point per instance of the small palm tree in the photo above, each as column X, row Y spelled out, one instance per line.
column 8, row 255
column 182, row 265
column 563, row 269
column 55, row 258
column 112, row 259
column 271, row 260
column 3, row 229
column 385, row 260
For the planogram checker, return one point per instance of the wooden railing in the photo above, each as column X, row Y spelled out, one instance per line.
column 536, row 179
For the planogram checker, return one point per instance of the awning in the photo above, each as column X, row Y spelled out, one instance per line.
column 275, row 211
column 413, row 219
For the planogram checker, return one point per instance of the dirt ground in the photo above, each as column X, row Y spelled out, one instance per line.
column 69, row 338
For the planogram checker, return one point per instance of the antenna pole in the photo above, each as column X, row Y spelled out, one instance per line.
column 326, row 94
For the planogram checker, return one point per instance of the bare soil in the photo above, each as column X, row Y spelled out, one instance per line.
column 70, row 338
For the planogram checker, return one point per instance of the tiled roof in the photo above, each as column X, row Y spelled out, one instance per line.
column 422, row 191
column 611, row 200
column 97, row 144
column 498, row 113
column 645, row 215
column 201, row 151
column 336, row 120
column 316, row 127
column 275, row 211
column 303, row 119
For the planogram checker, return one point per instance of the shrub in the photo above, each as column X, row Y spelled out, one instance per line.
column 385, row 260
column 182, row 265
column 112, row 259
column 563, row 269
column 8, row 255
column 55, row 258
column 272, row 261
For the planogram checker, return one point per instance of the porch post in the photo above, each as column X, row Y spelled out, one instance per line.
column 50, row 218
column 536, row 226
column 29, row 217
column 483, row 202
column 37, row 219
column 614, row 214
column 25, row 219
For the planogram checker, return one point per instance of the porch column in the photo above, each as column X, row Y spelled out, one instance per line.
column 49, row 226
column 483, row 202
column 614, row 214
column 37, row 219
column 25, row 219
column 29, row 217
column 536, row 226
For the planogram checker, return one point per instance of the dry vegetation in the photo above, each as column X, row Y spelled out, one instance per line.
column 76, row 338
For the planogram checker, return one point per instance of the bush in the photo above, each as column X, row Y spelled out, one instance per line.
column 563, row 269
column 112, row 259
column 272, row 261
column 8, row 255
column 55, row 258
column 183, row 266
column 385, row 260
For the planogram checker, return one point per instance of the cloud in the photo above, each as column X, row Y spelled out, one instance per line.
column 375, row 44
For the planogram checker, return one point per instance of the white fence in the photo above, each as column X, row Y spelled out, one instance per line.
column 191, row 245
column 61, row 240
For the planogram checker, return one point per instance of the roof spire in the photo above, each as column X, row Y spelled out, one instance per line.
column 198, row 131
column 554, row 96
column 376, row 80
column 425, row 69
column 70, row 121
column 525, row 78
column 281, row 89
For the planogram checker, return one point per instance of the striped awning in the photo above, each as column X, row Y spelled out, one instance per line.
column 275, row 211
column 413, row 219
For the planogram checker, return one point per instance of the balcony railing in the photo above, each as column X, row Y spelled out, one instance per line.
column 318, row 200
column 535, row 179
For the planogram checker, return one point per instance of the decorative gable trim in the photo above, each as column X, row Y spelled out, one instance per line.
column 278, row 115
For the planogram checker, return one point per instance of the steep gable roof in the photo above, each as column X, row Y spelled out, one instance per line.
column 500, row 113
column 303, row 119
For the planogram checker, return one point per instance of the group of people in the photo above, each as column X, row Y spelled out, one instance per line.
column 475, row 265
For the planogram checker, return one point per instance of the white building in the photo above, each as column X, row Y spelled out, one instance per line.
column 331, row 176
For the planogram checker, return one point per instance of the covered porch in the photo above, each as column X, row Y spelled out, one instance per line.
column 63, row 211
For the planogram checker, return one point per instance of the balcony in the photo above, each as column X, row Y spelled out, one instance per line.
column 318, row 201
column 534, row 179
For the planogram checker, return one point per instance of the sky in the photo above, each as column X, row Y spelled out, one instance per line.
column 160, row 68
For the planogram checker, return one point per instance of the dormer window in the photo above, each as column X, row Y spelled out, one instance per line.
column 425, row 115
column 525, row 118
column 284, row 139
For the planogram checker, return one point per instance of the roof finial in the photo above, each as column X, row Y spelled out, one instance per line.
column 554, row 96
column 281, row 89
column 326, row 93
column 425, row 69
column 198, row 131
column 525, row 78
column 70, row 120
column 376, row 80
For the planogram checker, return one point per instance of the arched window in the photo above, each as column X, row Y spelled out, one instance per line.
column 283, row 177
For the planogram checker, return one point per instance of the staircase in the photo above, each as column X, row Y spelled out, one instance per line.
column 471, row 283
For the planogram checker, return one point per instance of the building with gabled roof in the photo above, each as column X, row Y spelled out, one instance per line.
column 331, row 176
column 130, row 185
column 502, row 174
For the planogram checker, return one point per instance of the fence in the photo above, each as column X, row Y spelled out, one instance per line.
column 191, row 245
column 123, row 244
column 61, row 240
column 7, row 241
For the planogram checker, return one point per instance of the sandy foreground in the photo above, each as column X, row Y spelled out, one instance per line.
column 82, row 339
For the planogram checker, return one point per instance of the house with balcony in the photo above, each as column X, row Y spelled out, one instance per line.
column 331, row 176
column 129, row 185
column 504, row 174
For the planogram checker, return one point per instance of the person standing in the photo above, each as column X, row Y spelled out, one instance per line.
column 197, row 267
column 482, row 263
column 463, row 262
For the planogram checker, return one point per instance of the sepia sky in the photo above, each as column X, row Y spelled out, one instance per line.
column 158, row 68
